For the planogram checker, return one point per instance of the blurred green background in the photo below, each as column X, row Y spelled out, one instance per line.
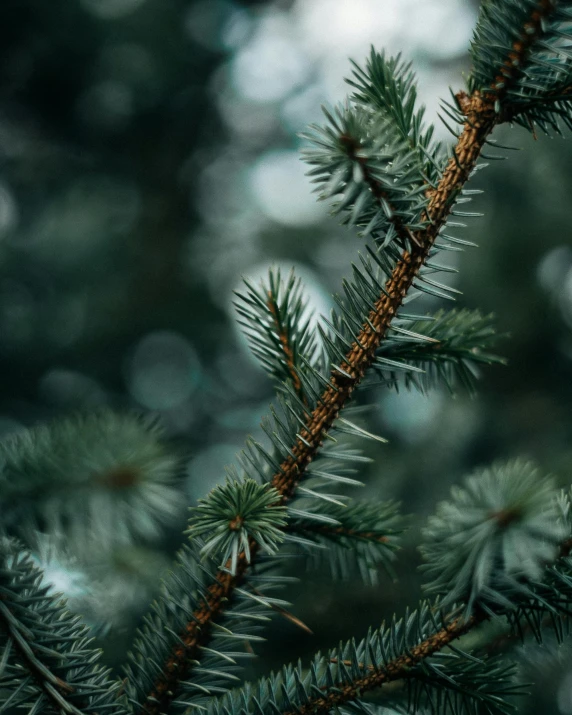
column 149, row 159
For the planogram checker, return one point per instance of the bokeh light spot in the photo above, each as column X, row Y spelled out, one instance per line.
column 283, row 192
column 163, row 371
column 272, row 63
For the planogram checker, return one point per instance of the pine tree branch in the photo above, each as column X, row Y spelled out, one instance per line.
column 285, row 340
column 360, row 668
column 352, row 146
column 54, row 689
column 338, row 532
column 446, row 345
column 198, row 634
column 480, row 119
column 550, row 99
column 512, row 68
column 480, row 122
column 47, row 663
column 361, row 536
column 397, row 669
column 278, row 326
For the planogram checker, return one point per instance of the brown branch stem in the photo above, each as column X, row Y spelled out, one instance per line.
column 285, row 344
column 400, row 667
column 396, row 669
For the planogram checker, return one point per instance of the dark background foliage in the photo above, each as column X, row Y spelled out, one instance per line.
column 148, row 155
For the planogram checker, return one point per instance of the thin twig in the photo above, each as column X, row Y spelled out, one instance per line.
column 286, row 345
column 396, row 669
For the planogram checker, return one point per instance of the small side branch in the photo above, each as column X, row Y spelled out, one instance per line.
column 47, row 664
column 285, row 339
column 397, row 669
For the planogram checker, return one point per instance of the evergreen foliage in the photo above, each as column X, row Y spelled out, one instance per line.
column 446, row 348
column 494, row 536
column 277, row 325
column 365, row 534
column 235, row 513
column 102, row 477
column 48, row 664
column 499, row 549
column 522, row 58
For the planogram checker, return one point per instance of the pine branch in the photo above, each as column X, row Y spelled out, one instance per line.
column 359, row 357
column 479, row 119
column 528, row 561
column 407, row 652
column 354, row 149
column 445, row 346
column 397, row 669
column 103, row 478
column 388, row 85
column 275, row 321
column 362, row 352
column 532, row 40
column 364, row 535
column 47, row 665
column 368, row 168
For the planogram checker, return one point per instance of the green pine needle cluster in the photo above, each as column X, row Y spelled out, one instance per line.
column 278, row 326
column 495, row 536
column 48, row 663
column 522, row 57
column 445, row 348
column 103, row 477
column 362, row 536
column 374, row 158
column 236, row 514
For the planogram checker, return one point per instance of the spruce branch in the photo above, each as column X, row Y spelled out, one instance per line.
column 404, row 266
column 388, row 84
column 102, row 478
column 447, row 345
column 343, row 381
column 365, row 166
column 523, row 60
column 407, row 652
column 420, row 649
column 365, row 535
column 47, row 664
column 278, row 327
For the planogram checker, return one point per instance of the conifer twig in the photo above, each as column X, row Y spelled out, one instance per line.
column 395, row 670
column 352, row 147
column 400, row 667
column 340, row 531
column 480, row 116
column 481, row 120
column 285, row 343
column 47, row 662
